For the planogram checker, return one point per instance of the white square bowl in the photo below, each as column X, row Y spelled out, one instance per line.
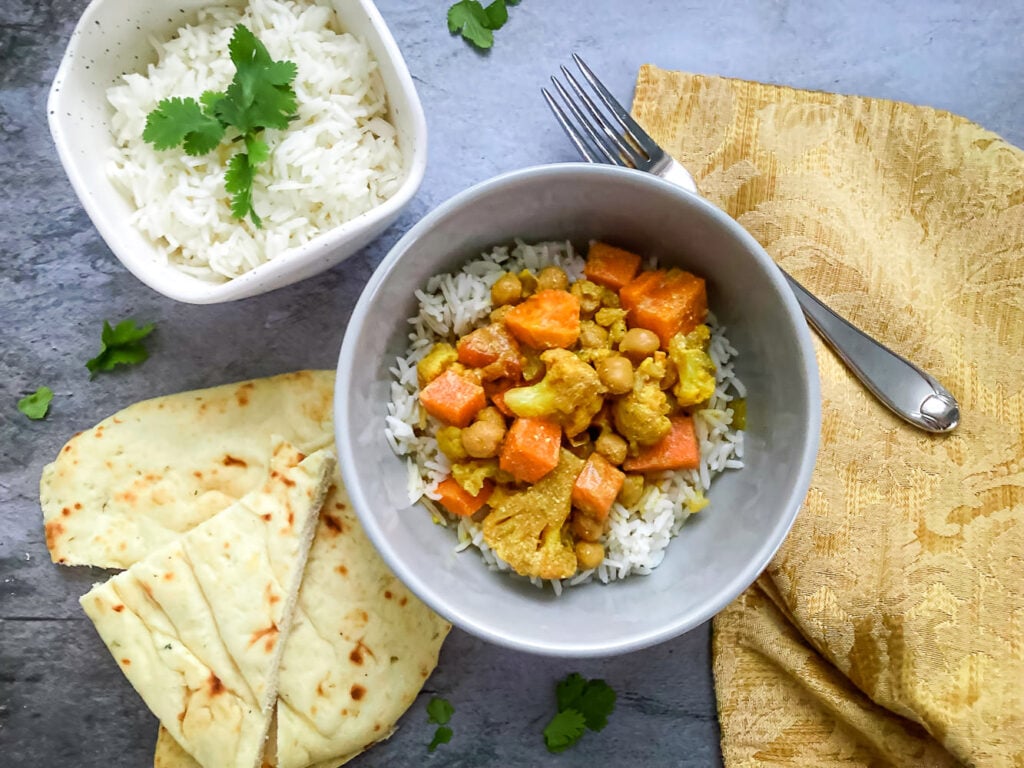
column 111, row 39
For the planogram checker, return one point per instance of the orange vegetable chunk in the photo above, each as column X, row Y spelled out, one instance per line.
column 458, row 500
column 597, row 486
column 666, row 302
column 610, row 266
column 546, row 320
column 530, row 449
column 453, row 399
column 677, row 450
column 493, row 349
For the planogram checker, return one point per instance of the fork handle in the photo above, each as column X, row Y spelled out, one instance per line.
column 904, row 388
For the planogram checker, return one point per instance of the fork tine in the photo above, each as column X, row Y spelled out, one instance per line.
column 606, row 148
column 629, row 125
column 574, row 136
column 630, row 153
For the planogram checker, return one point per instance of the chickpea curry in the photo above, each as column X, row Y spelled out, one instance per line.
column 567, row 401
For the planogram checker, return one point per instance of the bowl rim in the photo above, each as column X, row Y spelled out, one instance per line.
column 271, row 274
column 438, row 600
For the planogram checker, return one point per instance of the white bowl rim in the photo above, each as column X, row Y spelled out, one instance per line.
column 195, row 290
column 437, row 600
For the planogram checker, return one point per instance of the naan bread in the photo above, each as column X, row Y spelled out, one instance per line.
column 169, row 754
column 199, row 625
column 345, row 576
column 147, row 474
column 360, row 649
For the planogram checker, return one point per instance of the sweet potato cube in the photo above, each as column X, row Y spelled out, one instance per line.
column 666, row 302
column 546, row 320
column 597, row 486
column 459, row 501
column 677, row 450
column 453, row 399
column 530, row 449
column 610, row 266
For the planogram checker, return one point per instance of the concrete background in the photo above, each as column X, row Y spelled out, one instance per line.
column 61, row 696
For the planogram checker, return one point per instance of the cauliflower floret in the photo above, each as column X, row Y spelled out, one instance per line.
column 434, row 363
column 642, row 416
column 570, row 393
column 471, row 474
column 527, row 528
column 696, row 371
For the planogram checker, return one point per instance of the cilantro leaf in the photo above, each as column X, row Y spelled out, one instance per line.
column 441, row 736
column 439, row 710
column 121, row 345
column 260, row 96
column 564, row 730
column 497, row 14
column 182, row 121
column 476, row 23
column 595, row 704
column 568, row 691
column 582, row 704
column 470, row 19
column 37, row 404
column 238, row 183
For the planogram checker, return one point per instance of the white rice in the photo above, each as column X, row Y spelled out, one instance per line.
column 635, row 541
column 338, row 159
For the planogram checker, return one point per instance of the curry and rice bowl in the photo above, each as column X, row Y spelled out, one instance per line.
column 565, row 413
column 338, row 157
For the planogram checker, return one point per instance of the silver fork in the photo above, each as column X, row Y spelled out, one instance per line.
column 610, row 135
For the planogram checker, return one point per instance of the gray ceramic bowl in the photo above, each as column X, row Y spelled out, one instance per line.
column 719, row 551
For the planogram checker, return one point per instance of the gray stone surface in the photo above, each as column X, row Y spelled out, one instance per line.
column 61, row 697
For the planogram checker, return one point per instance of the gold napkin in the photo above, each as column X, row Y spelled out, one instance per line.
column 889, row 629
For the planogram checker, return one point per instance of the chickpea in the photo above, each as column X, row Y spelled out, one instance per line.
column 585, row 528
column 508, row 289
column 482, row 439
column 631, row 491
column 552, row 279
column 611, row 446
column 529, row 283
column 589, row 295
column 616, row 373
column 492, row 415
column 638, row 343
column 593, row 336
column 589, row 555
column 498, row 313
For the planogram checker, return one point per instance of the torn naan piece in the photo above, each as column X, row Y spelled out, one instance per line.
column 142, row 477
column 199, row 625
column 169, row 754
column 360, row 648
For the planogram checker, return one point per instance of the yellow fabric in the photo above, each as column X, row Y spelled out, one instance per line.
column 889, row 629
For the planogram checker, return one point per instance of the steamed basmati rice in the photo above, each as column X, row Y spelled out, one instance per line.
column 451, row 305
column 338, row 159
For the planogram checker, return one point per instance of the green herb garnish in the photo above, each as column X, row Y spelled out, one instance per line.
column 260, row 96
column 439, row 712
column 37, row 404
column 582, row 704
column 476, row 23
column 122, row 345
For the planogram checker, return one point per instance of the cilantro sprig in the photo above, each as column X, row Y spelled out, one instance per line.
column 260, row 96
column 37, row 404
column 439, row 712
column 582, row 704
column 477, row 23
column 121, row 345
